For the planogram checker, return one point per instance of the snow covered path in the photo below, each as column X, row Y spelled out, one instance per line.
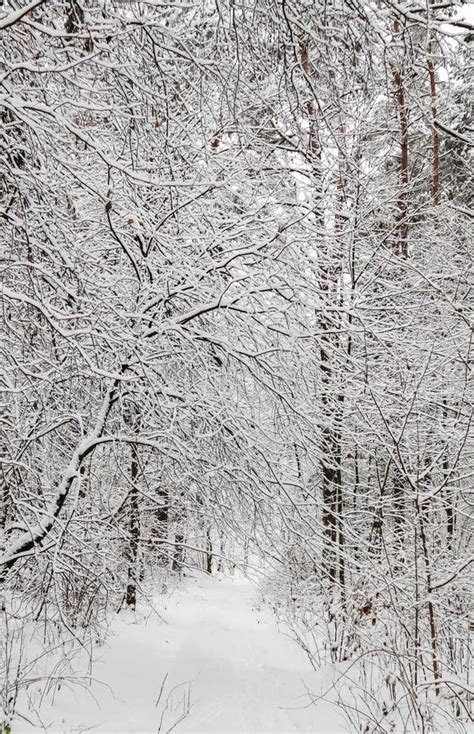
column 227, row 668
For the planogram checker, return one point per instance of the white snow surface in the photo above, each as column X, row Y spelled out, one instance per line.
column 219, row 659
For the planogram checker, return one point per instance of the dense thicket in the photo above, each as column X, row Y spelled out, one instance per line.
column 237, row 323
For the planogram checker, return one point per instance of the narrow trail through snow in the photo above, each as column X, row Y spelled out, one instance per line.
column 221, row 665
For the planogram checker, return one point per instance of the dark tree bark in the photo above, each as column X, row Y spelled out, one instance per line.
column 134, row 518
column 208, row 551
column 178, row 557
column 162, row 525
column 401, row 241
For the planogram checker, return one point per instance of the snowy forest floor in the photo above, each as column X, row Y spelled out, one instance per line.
column 215, row 662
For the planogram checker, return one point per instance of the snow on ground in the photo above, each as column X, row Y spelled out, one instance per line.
column 220, row 663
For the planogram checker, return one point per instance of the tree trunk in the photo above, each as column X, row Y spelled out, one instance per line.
column 208, row 551
column 178, row 557
column 161, row 529
column 134, row 518
column 401, row 242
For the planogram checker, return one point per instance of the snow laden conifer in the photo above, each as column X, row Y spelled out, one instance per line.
column 236, row 329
